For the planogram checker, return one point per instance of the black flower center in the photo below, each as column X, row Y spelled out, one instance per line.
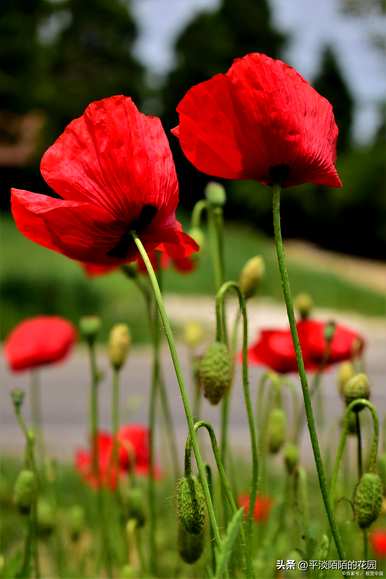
column 278, row 174
column 139, row 224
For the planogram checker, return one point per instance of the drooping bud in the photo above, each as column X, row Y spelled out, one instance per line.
column 119, row 345
column 25, row 491
column 345, row 373
column 197, row 234
column 89, row 328
column 368, row 499
column 251, row 276
column 76, row 522
column 191, row 509
column 291, row 457
column 304, row 305
column 135, row 506
column 45, row 518
column 190, row 547
column 193, row 334
column 357, row 387
column 215, row 194
column 382, row 470
column 216, row 372
column 276, row 429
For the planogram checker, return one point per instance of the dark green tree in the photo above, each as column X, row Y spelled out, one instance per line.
column 92, row 58
column 331, row 84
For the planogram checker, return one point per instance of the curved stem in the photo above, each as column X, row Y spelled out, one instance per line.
column 198, row 209
column 302, row 373
column 181, row 384
column 220, row 299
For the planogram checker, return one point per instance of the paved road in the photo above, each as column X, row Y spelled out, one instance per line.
column 65, row 387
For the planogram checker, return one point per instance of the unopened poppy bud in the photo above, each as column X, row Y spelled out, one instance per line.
column 304, row 305
column 276, row 430
column 17, row 396
column 45, row 518
column 89, row 328
column 76, row 522
column 25, row 491
column 368, row 499
column 382, row 470
column 191, row 510
column 345, row 373
column 193, row 334
column 135, row 506
column 198, row 236
column 357, row 387
column 119, row 345
column 216, row 372
column 329, row 331
column 190, row 547
column 251, row 276
column 215, row 194
column 291, row 457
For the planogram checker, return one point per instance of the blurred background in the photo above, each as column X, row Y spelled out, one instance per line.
column 56, row 56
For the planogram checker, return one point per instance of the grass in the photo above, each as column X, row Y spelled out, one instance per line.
column 35, row 280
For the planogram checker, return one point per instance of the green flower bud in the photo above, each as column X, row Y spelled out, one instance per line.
column 197, row 234
column 135, row 506
column 119, row 345
column 76, row 522
column 193, row 334
column 45, row 518
column 304, row 305
column 89, row 328
column 190, row 547
column 25, row 491
column 276, row 430
column 357, row 387
column 216, row 372
column 345, row 373
column 191, row 509
column 382, row 470
column 17, row 396
column 291, row 457
column 251, row 276
column 215, row 194
column 368, row 499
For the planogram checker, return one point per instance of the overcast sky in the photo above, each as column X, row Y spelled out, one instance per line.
column 310, row 23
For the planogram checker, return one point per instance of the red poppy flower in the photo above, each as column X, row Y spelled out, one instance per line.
column 107, row 475
column 39, row 342
column 134, row 449
column 262, row 508
column 113, row 171
column 378, row 543
column 274, row 348
column 261, row 120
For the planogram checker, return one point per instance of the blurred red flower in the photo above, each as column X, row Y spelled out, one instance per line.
column 39, row 342
column 274, row 348
column 261, row 120
column 378, row 543
column 113, row 171
column 133, row 455
column 262, row 508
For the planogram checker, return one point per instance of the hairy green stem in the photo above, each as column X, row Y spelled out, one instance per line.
column 184, row 395
column 276, row 189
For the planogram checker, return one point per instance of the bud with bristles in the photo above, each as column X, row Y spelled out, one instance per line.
column 193, row 334
column 276, row 430
column 216, row 372
column 76, row 522
column 45, row 518
column 215, row 194
column 89, row 328
column 191, row 509
column 368, row 500
column 304, row 305
column 357, row 387
column 251, row 276
column 291, row 457
column 190, row 547
column 345, row 373
column 119, row 345
column 25, row 491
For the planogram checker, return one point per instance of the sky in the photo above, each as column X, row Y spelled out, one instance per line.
column 311, row 24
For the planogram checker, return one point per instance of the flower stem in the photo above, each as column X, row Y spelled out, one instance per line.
column 302, row 374
column 36, row 413
column 115, row 417
column 181, row 384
